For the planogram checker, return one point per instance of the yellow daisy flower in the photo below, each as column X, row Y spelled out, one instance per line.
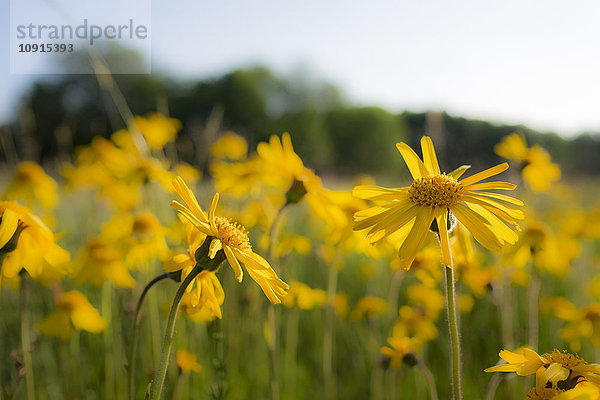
column 205, row 291
column 232, row 239
column 401, row 350
column 25, row 242
column 72, row 308
column 558, row 369
column 432, row 198
column 187, row 361
column 31, row 184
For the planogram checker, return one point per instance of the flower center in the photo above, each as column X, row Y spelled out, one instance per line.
column 435, row 191
column 232, row 234
column 563, row 358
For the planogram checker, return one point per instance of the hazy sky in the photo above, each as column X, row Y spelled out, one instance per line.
column 530, row 62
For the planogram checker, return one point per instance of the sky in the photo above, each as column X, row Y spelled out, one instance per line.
column 518, row 62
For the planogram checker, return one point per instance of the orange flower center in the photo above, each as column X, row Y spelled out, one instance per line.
column 232, row 234
column 435, row 191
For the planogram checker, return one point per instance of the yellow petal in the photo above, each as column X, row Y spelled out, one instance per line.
column 444, row 242
column 499, row 196
column 393, row 221
column 203, row 227
column 479, row 227
column 429, row 157
column 415, row 165
column 411, row 245
column 189, row 199
column 8, row 226
column 490, row 186
column 371, row 192
column 233, row 263
column 484, row 174
column 213, row 209
column 215, row 246
column 458, row 172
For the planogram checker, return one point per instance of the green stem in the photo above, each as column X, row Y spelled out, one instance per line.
column 328, row 378
column 430, row 381
column 109, row 370
column 161, row 373
column 203, row 261
column 534, row 303
column 271, row 317
column 26, row 339
column 134, row 333
column 453, row 326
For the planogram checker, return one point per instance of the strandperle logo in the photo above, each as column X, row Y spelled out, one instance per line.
column 86, row 31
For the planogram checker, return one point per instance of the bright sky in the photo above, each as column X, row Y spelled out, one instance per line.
column 530, row 62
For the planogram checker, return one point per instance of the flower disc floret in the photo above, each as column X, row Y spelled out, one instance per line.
column 435, row 191
column 232, row 234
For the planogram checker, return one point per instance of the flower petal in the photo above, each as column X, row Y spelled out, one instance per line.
column 411, row 245
column 415, row 165
column 484, row 174
column 429, row 157
column 443, row 234
column 234, row 263
column 478, row 226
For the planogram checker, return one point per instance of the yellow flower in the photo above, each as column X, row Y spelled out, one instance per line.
column 433, row 196
column 231, row 146
column 73, row 308
column 187, row 361
column 31, row 184
column 513, row 147
column 538, row 172
column 583, row 391
column 157, row 129
column 205, row 291
column 553, row 370
column 25, row 242
column 304, row 297
column 232, row 239
column 102, row 259
column 368, row 307
column 401, row 350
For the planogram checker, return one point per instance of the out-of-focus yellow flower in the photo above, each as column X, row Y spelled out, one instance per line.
column 231, row 146
column 538, row 171
column 401, row 350
column 232, row 239
column 304, row 297
column 432, row 197
column 140, row 236
column 187, row 362
column 548, row 252
column 205, row 291
column 157, row 129
column 558, row 369
column 340, row 304
column 414, row 322
column 187, row 172
column 31, row 184
column 431, row 300
column 368, row 307
column 513, row 147
column 583, row 323
column 25, row 242
column 74, row 309
column 101, row 259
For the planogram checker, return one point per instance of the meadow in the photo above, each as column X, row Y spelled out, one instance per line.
column 343, row 295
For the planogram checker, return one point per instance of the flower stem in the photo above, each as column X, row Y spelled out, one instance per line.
column 134, row 333
column 161, row 373
column 430, row 381
column 109, row 367
column 328, row 340
column 454, row 338
column 26, row 339
column 272, row 342
column 534, row 303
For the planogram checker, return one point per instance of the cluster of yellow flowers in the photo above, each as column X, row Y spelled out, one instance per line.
column 430, row 226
